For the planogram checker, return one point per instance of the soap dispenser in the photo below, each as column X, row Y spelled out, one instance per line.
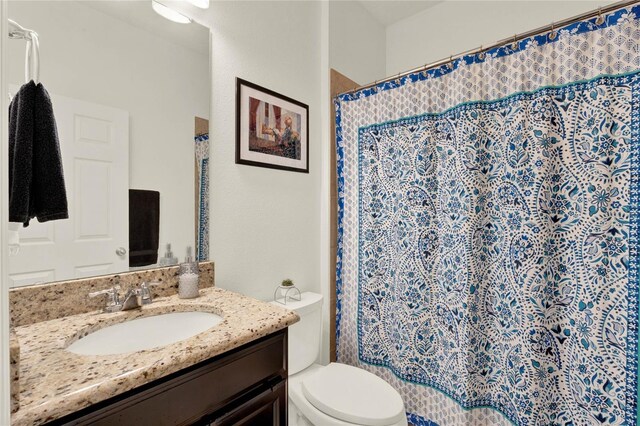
column 168, row 258
column 188, row 277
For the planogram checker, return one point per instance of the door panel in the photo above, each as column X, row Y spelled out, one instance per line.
column 91, row 207
column 27, row 278
column 38, row 234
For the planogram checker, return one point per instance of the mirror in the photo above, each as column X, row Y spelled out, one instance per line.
column 130, row 92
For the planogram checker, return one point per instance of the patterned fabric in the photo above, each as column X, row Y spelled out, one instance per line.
column 487, row 254
column 202, row 179
column 416, row 420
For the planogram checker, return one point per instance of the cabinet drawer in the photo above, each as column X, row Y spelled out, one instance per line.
column 190, row 394
column 267, row 408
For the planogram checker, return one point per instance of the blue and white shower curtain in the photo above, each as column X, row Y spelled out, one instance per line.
column 202, row 191
column 488, row 231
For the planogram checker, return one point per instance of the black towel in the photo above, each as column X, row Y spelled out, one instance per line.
column 36, row 179
column 144, row 227
column 21, row 131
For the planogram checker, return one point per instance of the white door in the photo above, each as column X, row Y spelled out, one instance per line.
column 94, row 142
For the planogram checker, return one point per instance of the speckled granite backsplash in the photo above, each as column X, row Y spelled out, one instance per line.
column 32, row 304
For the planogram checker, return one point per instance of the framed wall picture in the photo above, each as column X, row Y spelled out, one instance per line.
column 272, row 130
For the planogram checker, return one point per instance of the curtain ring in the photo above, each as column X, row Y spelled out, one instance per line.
column 481, row 53
column 553, row 34
column 450, row 64
column 600, row 18
column 514, row 44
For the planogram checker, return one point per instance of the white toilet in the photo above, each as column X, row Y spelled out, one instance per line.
column 336, row 394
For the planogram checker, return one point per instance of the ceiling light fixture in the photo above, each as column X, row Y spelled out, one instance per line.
column 202, row 4
column 170, row 14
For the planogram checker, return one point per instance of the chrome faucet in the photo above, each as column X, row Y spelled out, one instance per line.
column 134, row 298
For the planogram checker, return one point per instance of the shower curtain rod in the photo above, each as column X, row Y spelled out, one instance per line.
column 516, row 38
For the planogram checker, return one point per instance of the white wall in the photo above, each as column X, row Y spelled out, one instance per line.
column 4, row 204
column 452, row 27
column 88, row 55
column 357, row 42
column 265, row 224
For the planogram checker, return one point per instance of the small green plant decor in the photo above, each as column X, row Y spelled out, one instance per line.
column 288, row 291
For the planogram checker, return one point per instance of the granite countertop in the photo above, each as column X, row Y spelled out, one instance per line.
column 55, row 382
column 14, row 362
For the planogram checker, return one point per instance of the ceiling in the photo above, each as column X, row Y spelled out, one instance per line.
column 388, row 12
column 140, row 14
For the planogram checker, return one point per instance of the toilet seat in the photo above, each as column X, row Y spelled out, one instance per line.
column 353, row 395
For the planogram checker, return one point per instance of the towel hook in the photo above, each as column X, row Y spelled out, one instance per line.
column 18, row 31
column 32, row 53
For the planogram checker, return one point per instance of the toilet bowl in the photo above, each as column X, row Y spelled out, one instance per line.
column 335, row 394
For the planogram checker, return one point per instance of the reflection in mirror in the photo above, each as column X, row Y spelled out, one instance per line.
column 130, row 93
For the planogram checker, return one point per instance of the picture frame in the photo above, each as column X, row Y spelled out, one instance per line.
column 272, row 130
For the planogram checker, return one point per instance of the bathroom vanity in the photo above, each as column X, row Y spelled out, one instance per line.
column 232, row 373
column 247, row 385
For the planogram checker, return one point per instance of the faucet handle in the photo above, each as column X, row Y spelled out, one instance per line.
column 113, row 300
column 112, row 291
column 145, row 292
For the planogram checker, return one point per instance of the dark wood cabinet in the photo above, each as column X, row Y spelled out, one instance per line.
column 246, row 386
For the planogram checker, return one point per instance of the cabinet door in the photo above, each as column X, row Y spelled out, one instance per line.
column 268, row 408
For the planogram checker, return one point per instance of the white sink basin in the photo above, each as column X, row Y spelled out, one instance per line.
column 144, row 333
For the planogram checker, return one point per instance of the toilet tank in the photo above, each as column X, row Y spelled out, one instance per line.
column 304, row 336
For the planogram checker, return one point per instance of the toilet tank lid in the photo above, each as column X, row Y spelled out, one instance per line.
column 310, row 302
